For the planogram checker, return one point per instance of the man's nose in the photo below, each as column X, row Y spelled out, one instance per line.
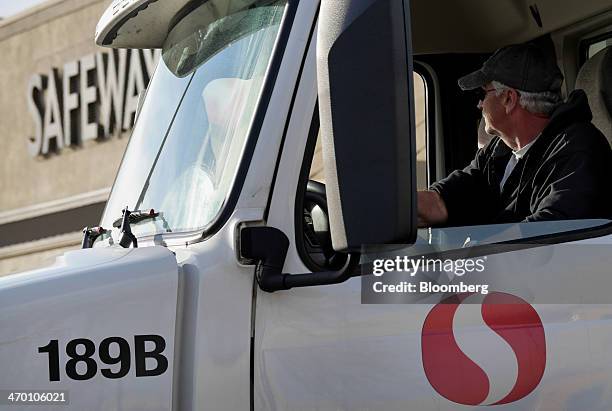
column 479, row 105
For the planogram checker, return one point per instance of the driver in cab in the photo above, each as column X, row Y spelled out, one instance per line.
column 547, row 161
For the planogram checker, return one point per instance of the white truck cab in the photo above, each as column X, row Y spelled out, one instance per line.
column 224, row 278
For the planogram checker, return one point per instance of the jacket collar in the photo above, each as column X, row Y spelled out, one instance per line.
column 575, row 109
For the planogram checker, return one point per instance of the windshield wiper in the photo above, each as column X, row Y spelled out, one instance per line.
column 134, row 217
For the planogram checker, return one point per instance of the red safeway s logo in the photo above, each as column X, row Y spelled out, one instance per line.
column 457, row 349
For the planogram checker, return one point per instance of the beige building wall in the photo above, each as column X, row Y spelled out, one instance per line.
column 26, row 180
column 47, row 36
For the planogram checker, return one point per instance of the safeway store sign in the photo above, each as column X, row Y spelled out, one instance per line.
column 90, row 98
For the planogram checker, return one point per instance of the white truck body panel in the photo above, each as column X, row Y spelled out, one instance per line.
column 321, row 348
column 92, row 294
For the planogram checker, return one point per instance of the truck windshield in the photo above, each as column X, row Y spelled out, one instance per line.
column 188, row 141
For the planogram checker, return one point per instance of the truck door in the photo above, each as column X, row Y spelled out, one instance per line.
column 523, row 345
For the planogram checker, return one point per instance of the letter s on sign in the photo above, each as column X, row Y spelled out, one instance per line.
column 35, row 106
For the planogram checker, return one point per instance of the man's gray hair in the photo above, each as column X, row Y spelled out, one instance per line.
column 544, row 102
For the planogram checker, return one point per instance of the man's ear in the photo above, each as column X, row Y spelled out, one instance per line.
column 511, row 100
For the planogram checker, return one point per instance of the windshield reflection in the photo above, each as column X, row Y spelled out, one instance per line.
column 183, row 161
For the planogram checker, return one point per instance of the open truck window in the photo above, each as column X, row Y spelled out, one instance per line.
column 435, row 145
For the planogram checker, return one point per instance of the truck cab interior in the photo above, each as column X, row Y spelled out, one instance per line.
column 449, row 40
column 574, row 32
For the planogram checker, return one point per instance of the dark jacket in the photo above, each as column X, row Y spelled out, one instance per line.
column 566, row 174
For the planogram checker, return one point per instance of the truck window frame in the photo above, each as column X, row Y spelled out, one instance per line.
column 431, row 131
column 587, row 43
column 257, row 122
column 259, row 115
column 304, row 176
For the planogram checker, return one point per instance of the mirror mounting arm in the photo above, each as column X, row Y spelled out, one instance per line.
column 268, row 247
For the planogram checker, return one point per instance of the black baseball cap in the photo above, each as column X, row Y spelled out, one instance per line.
column 525, row 67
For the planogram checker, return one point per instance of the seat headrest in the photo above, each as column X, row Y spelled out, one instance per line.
column 595, row 78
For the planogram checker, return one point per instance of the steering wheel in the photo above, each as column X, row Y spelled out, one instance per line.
column 315, row 230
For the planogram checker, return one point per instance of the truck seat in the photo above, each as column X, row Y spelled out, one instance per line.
column 595, row 78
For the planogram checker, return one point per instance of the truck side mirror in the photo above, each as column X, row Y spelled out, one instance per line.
column 364, row 66
column 364, row 69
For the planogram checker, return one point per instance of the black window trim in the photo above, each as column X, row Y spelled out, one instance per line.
column 298, row 217
column 583, row 53
column 430, row 120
